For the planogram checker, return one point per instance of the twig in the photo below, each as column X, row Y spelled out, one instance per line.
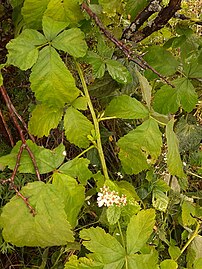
column 20, row 130
column 183, row 17
column 7, row 129
column 159, row 22
column 127, row 52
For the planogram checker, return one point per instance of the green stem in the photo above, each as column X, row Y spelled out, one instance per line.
column 107, row 118
column 195, row 233
column 122, row 238
column 95, row 121
column 83, row 152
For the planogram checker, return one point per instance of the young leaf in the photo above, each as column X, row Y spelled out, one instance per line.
column 52, row 28
column 82, row 263
column 44, row 118
column 77, row 127
column 107, row 248
column 146, row 89
column 77, row 168
column 51, row 81
column 139, row 230
column 159, row 200
column 48, row 227
column 71, row 41
column 23, row 51
column 126, row 107
column 72, row 193
column 171, row 264
column 118, row 71
column 173, row 157
column 32, row 12
column 47, row 160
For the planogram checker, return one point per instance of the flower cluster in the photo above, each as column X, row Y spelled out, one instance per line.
column 110, row 198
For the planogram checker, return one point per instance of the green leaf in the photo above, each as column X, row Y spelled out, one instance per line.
column 113, row 214
column 139, row 230
column 146, row 89
column 198, row 264
column 140, row 147
column 23, row 51
column 167, row 99
column 55, row 10
column 160, row 200
column 174, row 162
column 108, row 250
column 72, row 194
column 77, row 168
column 15, row 3
column 110, row 7
column 134, row 7
column 132, row 159
column 52, row 28
column 47, row 160
column 118, row 71
column 193, row 69
column 33, row 11
column 126, row 107
column 154, row 57
column 71, row 41
column 51, row 81
column 82, row 263
column 77, row 127
column 80, row 103
column 44, row 118
column 143, row 261
column 1, row 79
column 174, row 252
column 171, row 264
column 73, row 11
column 188, row 208
column 97, row 63
column 48, row 227
column 104, row 51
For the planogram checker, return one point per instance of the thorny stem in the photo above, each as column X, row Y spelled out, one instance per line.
column 127, row 52
column 20, row 130
column 195, row 233
column 7, row 129
column 95, row 121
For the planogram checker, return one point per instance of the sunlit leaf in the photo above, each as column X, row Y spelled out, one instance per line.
column 108, row 250
column 72, row 193
column 73, row 11
column 33, row 11
column 77, row 127
column 44, row 119
column 71, row 41
column 52, row 28
column 188, row 211
column 143, row 261
column 51, row 81
column 77, row 168
column 23, row 51
column 171, row 264
column 46, row 160
column 139, row 230
column 49, row 227
column 126, row 107
column 173, row 157
column 110, row 7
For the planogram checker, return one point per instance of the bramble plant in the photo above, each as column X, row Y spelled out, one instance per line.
column 120, row 84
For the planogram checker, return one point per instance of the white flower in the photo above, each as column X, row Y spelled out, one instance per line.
column 109, row 198
column 64, row 153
